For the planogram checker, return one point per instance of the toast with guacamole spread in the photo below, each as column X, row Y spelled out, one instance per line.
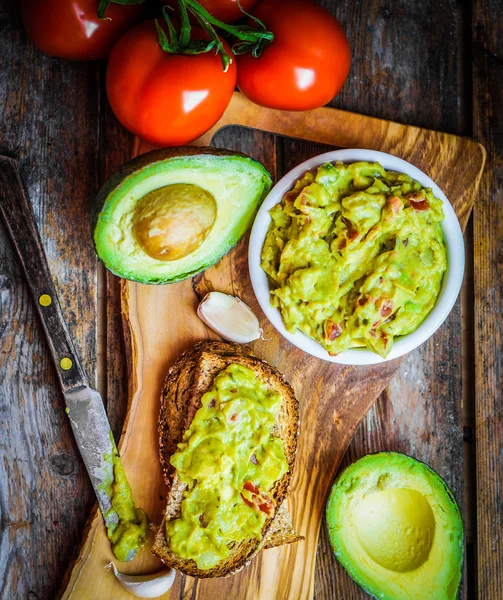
column 228, row 430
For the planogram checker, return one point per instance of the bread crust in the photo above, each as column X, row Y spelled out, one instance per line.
column 187, row 380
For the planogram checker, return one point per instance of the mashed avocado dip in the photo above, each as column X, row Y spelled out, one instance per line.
column 356, row 254
column 230, row 461
column 130, row 533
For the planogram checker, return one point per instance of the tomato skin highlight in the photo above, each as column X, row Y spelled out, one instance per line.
column 71, row 29
column 166, row 99
column 306, row 64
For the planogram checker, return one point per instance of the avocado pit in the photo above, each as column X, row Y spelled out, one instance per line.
column 395, row 528
column 169, row 214
column 172, row 221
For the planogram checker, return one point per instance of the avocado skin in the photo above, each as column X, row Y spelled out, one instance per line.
column 384, row 462
column 143, row 161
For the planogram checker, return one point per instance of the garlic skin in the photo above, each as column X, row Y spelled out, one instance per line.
column 145, row 586
column 230, row 317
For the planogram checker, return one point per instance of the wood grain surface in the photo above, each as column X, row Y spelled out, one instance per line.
column 49, row 121
column 333, row 399
column 18, row 217
column 488, row 292
column 412, row 62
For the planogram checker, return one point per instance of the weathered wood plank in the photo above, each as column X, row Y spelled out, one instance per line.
column 405, row 62
column 49, row 119
column 488, row 278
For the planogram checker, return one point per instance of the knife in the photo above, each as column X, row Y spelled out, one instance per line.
column 84, row 405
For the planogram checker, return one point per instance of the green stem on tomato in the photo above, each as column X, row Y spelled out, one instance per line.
column 206, row 25
column 173, row 34
column 199, row 47
column 172, row 45
column 243, row 32
column 250, row 39
column 185, row 24
column 176, row 44
column 104, row 4
column 164, row 43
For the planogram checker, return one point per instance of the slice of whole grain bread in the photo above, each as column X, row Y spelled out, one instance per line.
column 186, row 382
column 179, row 395
column 281, row 531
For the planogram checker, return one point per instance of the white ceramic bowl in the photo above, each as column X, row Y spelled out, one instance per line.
column 453, row 277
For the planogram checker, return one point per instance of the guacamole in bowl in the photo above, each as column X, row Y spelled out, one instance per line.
column 350, row 256
column 356, row 256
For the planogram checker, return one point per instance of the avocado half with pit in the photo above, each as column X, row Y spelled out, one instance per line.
column 169, row 214
column 395, row 527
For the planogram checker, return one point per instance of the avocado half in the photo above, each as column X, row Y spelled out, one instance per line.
column 208, row 197
column 395, row 527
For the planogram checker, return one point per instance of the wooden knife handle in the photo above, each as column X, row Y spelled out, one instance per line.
column 20, row 221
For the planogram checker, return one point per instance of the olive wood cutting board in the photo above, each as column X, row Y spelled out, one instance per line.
column 161, row 323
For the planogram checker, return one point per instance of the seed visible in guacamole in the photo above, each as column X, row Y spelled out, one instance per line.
column 356, row 256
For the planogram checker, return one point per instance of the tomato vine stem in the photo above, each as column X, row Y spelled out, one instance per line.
column 249, row 38
column 185, row 27
column 104, row 4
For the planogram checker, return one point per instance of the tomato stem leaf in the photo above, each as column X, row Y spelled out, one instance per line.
column 248, row 38
column 242, row 32
column 199, row 47
column 185, row 24
column 104, row 4
column 173, row 35
column 166, row 45
column 261, row 24
column 173, row 44
column 102, row 8
column 207, row 26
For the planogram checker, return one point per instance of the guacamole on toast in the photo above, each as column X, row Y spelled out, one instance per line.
column 230, row 461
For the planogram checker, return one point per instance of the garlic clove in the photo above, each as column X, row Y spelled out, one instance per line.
column 230, row 317
column 145, row 586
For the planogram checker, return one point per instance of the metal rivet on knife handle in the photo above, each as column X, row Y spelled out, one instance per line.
column 45, row 300
column 66, row 364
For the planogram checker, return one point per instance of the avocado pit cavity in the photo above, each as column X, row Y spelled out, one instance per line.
column 171, row 222
column 395, row 528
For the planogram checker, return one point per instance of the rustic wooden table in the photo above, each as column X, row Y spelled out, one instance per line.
column 433, row 63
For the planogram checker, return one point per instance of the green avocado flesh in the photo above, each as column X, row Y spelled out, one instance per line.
column 230, row 462
column 209, row 203
column 130, row 533
column 395, row 527
column 356, row 256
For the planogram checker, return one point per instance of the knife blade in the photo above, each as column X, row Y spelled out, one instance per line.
column 94, row 438
column 85, row 407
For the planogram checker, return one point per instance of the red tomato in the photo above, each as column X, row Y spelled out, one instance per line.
column 71, row 28
column 306, row 64
column 166, row 99
column 224, row 10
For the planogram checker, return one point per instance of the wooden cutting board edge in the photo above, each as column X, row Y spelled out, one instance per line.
column 243, row 113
